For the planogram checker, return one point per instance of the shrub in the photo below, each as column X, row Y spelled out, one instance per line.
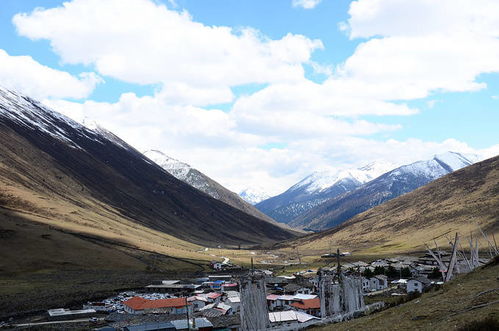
column 406, row 272
column 379, row 270
column 488, row 324
column 391, row 272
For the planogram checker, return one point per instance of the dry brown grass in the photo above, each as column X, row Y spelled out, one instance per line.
column 447, row 309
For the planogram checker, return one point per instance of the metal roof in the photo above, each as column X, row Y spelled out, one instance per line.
column 151, row 326
column 200, row 322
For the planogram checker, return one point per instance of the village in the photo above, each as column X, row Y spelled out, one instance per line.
column 231, row 298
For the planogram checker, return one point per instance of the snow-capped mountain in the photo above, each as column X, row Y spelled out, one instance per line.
column 321, row 181
column 392, row 184
column 183, row 171
column 317, row 188
column 94, row 180
column 253, row 195
column 197, row 179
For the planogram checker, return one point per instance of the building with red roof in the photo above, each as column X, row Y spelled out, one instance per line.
column 139, row 305
column 310, row 306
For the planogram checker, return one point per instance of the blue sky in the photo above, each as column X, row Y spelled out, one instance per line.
column 282, row 89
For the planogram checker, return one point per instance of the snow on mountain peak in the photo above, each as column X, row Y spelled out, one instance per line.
column 175, row 167
column 370, row 171
column 456, row 161
column 253, row 195
column 319, row 181
column 439, row 165
column 32, row 114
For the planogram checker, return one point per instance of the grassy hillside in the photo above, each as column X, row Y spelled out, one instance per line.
column 461, row 201
column 466, row 300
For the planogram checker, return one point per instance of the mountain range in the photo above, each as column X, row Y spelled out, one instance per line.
column 317, row 188
column 324, row 199
column 55, row 168
column 462, row 201
column 254, row 196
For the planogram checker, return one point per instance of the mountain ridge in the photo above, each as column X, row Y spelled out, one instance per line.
column 317, row 188
column 200, row 181
column 82, row 165
column 461, row 201
column 394, row 183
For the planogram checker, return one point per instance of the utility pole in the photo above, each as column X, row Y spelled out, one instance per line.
column 338, row 261
column 187, row 313
column 298, row 254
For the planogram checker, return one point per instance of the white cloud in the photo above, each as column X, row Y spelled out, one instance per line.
column 24, row 74
column 164, row 46
column 392, row 18
column 306, row 4
column 331, row 98
column 412, row 50
column 233, row 152
column 425, row 45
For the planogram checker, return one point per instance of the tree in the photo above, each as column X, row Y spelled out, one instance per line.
column 368, row 273
column 379, row 270
column 391, row 272
column 406, row 273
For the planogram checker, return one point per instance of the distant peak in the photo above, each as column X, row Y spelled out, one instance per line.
column 164, row 160
column 455, row 160
column 254, row 195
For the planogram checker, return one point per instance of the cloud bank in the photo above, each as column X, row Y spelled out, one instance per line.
column 288, row 126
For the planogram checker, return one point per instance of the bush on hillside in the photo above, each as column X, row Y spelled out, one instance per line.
column 488, row 324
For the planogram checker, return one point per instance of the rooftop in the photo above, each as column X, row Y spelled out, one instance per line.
column 200, row 322
column 138, row 303
column 289, row 316
column 308, row 304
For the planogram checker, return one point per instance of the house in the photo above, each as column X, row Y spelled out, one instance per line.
column 214, row 297
column 163, row 326
column 366, row 285
column 272, row 301
column 216, row 309
column 380, row 263
column 216, row 265
column 289, row 318
column 173, row 288
column 309, row 306
column 235, row 303
column 376, row 283
column 382, row 282
column 295, row 288
column 198, row 323
column 418, row 284
column 284, row 301
column 197, row 302
column 213, row 278
column 229, row 287
column 400, row 283
column 373, row 284
column 139, row 305
column 62, row 313
column 277, row 283
column 98, row 306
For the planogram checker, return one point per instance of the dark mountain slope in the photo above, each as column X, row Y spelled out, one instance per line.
column 202, row 182
column 47, row 153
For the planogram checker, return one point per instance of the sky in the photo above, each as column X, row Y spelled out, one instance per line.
column 258, row 94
